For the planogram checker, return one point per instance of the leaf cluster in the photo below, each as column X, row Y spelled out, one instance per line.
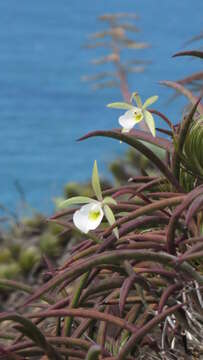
column 114, row 298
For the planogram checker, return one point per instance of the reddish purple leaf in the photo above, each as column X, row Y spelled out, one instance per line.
column 166, row 294
column 184, row 91
column 176, row 215
column 126, row 287
column 196, row 53
column 138, row 145
column 194, row 208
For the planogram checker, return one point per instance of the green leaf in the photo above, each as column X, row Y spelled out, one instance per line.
column 150, row 122
column 111, row 219
column 75, row 201
column 120, row 105
column 135, row 96
column 96, row 182
column 151, row 100
column 109, row 200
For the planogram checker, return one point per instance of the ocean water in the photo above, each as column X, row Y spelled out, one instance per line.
column 44, row 106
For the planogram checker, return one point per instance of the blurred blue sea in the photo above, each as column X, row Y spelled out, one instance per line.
column 44, row 106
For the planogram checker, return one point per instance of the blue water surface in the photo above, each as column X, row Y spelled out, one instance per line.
column 44, row 106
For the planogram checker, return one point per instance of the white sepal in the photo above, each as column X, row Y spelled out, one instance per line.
column 75, row 201
column 111, row 219
column 151, row 100
column 96, row 182
column 120, row 105
column 150, row 122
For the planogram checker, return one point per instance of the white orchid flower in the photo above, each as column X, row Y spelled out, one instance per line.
column 135, row 114
column 130, row 118
column 90, row 215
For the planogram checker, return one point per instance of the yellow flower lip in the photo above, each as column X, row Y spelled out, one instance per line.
column 138, row 116
column 93, row 215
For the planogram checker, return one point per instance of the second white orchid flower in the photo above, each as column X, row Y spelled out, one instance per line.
column 90, row 216
column 135, row 114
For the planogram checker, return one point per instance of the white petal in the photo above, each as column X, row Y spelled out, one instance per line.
column 127, row 120
column 130, row 118
column 84, row 221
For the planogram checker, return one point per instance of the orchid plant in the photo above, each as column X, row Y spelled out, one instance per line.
column 135, row 114
column 152, row 276
column 90, row 216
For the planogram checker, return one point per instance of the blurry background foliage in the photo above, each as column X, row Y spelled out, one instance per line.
column 119, row 34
